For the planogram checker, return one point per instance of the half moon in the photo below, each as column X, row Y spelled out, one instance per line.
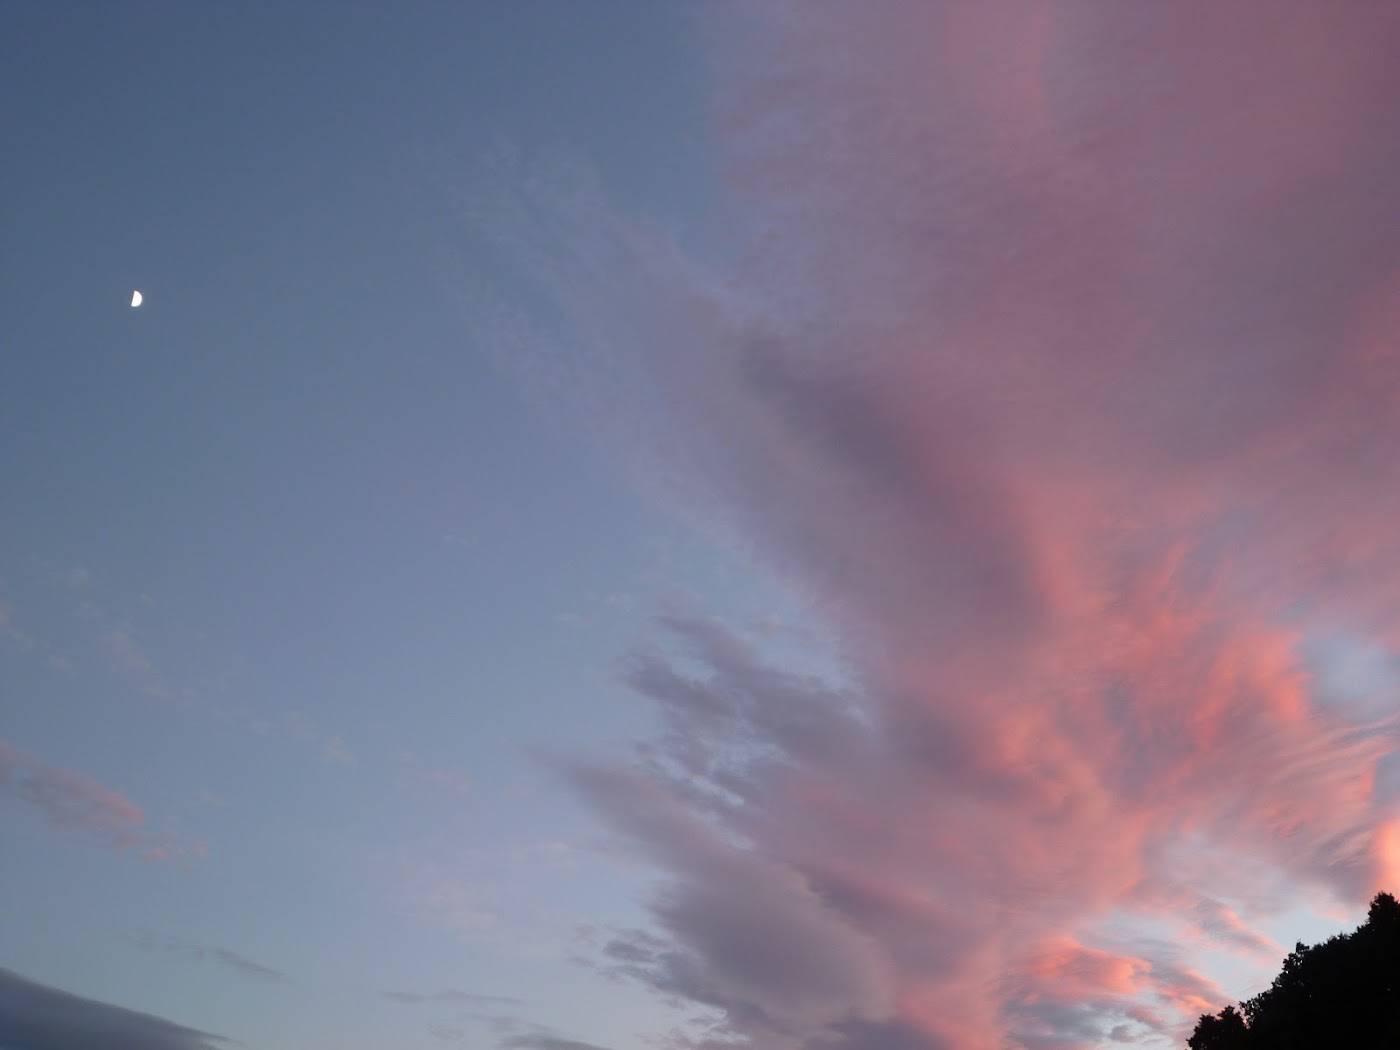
column 135, row 298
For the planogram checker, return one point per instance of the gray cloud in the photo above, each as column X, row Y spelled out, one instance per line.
column 247, row 966
column 746, row 934
column 34, row 1016
column 448, row 995
column 876, row 1035
column 544, row 1041
column 223, row 956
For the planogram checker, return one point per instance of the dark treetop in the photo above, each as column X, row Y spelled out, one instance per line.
column 1344, row 992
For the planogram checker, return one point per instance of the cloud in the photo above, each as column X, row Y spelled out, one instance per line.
column 451, row 780
column 73, row 802
column 338, row 752
column 1059, row 378
column 543, row 1040
column 1222, row 923
column 246, row 966
column 69, row 800
column 126, row 656
column 223, row 956
column 36, row 1017
column 449, row 995
column 758, row 941
column 9, row 632
column 436, row 892
column 125, row 653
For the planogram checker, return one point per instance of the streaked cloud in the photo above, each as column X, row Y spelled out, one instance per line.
column 69, row 800
column 202, row 953
column 437, row 892
column 10, row 631
column 449, row 995
column 72, row 802
column 542, row 1039
column 127, row 657
column 338, row 752
column 451, row 780
column 1060, row 384
column 125, row 653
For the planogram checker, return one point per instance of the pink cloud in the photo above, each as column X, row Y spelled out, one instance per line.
column 66, row 799
column 73, row 802
column 1062, row 381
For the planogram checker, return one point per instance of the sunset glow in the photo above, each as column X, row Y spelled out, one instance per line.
column 777, row 526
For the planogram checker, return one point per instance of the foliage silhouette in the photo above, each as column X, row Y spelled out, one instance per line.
column 1344, row 992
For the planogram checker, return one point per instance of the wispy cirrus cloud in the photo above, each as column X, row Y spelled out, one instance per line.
column 125, row 654
column 34, row 1016
column 1060, row 379
column 73, row 802
column 450, row 995
column 336, row 751
column 69, row 800
column 516, row 1036
column 545, row 1041
column 202, row 953
column 10, row 632
column 130, row 649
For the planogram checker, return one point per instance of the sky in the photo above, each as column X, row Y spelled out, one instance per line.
column 649, row 526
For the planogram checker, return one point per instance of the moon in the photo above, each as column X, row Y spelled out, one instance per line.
column 135, row 299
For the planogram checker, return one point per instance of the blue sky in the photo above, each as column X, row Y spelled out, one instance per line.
column 282, row 560
column 707, row 527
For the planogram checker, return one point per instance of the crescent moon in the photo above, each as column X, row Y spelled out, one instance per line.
column 135, row 298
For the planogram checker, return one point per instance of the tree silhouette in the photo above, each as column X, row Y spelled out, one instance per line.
column 1344, row 992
